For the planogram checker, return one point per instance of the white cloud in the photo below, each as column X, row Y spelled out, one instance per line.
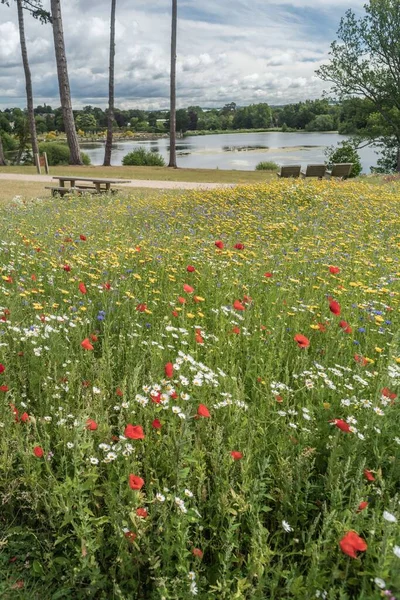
column 231, row 50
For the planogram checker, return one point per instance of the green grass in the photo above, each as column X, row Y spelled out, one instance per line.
column 150, row 173
column 112, row 272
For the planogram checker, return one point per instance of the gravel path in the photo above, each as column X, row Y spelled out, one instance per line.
column 134, row 183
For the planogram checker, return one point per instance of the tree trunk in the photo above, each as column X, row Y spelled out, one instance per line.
column 398, row 160
column 2, row 157
column 63, row 82
column 110, row 117
column 28, row 81
column 172, row 114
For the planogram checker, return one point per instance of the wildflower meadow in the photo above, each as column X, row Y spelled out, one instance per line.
column 199, row 395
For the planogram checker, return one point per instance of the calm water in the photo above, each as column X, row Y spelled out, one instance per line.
column 240, row 151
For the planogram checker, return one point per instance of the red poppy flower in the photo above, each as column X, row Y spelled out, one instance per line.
column 3, row 388
column 175, row 313
column 134, row 432
column 93, row 337
column 334, row 307
column 130, row 535
column 38, row 451
column 82, row 237
column 351, row 543
column 86, row 383
column 67, row 268
column 197, row 552
column 156, row 424
column 2, row 368
column 334, row 270
column 198, row 337
column 82, row 288
column 362, row 506
column 342, row 425
column 135, row 482
column 345, row 326
column 236, row 455
column 385, row 392
column 33, row 277
column 219, row 244
column 237, row 305
column 119, row 392
column 239, row 246
column 156, row 398
column 360, row 359
column 188, row 288
column 142, row 512
column 190, row 269
column 203, row 411
column 236, row 330
column 279, row 399
column 368, row 475
column 169, row 369
column 91, row 425
column 247, row 300
column 24, row 417
column 181, row 300
column 86, row 345
column 301, row 340
column 267, row 275
column 141, row 307
column 107, row 286
column 174, row 395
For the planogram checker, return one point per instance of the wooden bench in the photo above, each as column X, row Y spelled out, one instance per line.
column 290, row 171
column 314, row 171
column 78, row 185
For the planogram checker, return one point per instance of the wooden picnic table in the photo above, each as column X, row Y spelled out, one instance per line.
column 80, row 184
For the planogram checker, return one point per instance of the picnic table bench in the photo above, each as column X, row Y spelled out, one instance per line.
column 99, row 185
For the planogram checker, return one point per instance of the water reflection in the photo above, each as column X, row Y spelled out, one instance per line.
column 222, row 150
column 243, row 148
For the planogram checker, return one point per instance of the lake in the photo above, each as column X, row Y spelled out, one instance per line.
column 241, row 151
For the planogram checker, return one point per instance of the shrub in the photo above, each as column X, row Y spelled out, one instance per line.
column 9, row 143
column 267, row 166
column 344, row 152
column 58, row 154
column 143, row 158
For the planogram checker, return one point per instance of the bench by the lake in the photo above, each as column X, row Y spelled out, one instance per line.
column 79, row 185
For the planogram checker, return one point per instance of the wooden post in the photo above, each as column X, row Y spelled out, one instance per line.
column 46, row 163
column 42, row 162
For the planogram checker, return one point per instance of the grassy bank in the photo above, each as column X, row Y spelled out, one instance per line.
column 199, row 395
column 153, row 173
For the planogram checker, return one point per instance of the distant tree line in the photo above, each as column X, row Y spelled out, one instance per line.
column 351, row 116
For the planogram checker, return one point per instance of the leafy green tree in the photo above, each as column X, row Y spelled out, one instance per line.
column 345, row 152
column 152, row 119
column 86, row 122
column 321, row 123
column 365, row 62
column 182, row 120
column 354, row 114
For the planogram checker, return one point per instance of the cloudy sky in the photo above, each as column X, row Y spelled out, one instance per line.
column 228, row 50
